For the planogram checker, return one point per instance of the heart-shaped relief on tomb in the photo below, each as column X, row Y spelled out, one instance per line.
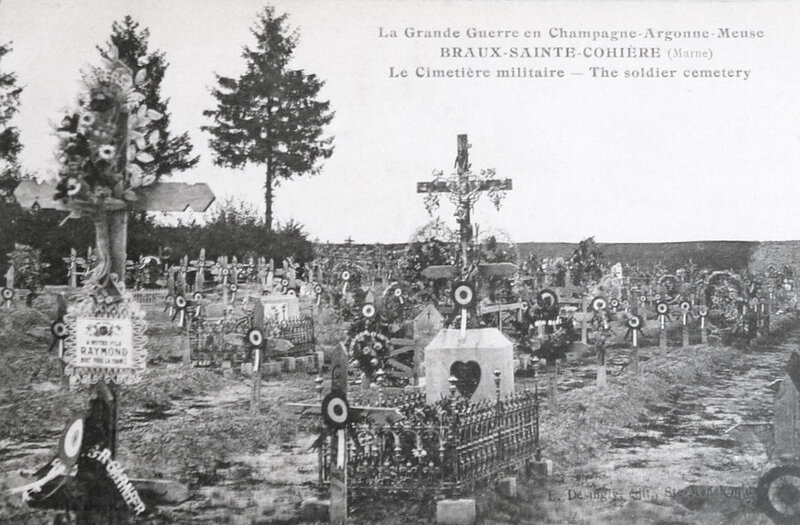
column 468, row 376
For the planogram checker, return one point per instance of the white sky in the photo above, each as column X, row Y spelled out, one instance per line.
column 624, row 160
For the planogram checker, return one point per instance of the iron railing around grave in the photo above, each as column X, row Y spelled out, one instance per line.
column 299, row 331
column 151, row 300
column 447, row 448
column 216, row 339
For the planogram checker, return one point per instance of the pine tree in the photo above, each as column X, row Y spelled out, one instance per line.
column 270, row 115
column 9, row 135
column 171, row 153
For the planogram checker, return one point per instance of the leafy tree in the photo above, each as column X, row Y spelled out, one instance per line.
column 234, row 228
column 29, row 269
column 9, row 135
column 270, row 115
column 170, row 153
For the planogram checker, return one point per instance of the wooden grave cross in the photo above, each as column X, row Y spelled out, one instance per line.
column 164, row 196
column 8, row 291
column 338, row 449
column 258, row 346
column 72, row 270
column 199, row 266
column 499, row 309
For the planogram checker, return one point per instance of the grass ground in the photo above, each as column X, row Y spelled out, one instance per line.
column 196, row 426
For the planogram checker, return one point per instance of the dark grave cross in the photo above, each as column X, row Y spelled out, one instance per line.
column 259, row 345
column 686, row 314
column 165, row 197
column 8, row 291
column 338, row 453
column 338, row 470
column 463, row 189
column 110, row 219
column 703, row 313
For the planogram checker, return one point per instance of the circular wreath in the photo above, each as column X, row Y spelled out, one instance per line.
column 369, row 350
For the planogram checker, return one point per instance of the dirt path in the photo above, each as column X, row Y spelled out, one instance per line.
column 683, row 464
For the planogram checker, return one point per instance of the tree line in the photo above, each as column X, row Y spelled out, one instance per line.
column 269, row 116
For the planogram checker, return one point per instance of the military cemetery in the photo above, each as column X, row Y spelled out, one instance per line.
column 177, row 351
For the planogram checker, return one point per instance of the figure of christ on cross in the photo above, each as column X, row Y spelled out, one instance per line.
column 463, row 188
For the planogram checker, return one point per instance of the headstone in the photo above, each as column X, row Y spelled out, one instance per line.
column 280, row 307
column 456, row 512
column 472, row 361
column 428, row 323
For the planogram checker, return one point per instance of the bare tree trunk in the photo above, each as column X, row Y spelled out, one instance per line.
column 111, row 238
column 118, row 230
column 103, row 245
column 268, row 199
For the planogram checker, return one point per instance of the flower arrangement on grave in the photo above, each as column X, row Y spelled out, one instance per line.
column 724, row 292
column 553, row 346
column 428, row 252
column 556, row 270
column 558, row 335
column 103, row 155
column 369, row 345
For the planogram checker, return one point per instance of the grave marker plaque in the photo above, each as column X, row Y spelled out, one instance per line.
column 106, row 341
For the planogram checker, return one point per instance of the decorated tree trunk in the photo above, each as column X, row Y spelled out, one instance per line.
column 100, row 169
column 111, row 239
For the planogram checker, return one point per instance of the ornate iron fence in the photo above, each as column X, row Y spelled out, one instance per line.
column 447, row 448
column 151, row 300
column 298, row 331
column 216, row 339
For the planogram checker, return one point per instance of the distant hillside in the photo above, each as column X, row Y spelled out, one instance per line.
column 734, row 255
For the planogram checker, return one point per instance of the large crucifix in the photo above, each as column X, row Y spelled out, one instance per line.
column 464, row 189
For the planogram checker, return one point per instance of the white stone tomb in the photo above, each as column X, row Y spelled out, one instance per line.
column 473, row 360
column 280, row 307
